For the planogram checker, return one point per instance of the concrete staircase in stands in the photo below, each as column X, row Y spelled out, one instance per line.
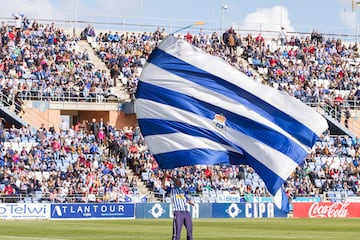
column 99, row 64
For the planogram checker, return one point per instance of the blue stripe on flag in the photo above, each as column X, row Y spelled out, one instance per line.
column 198, row 156
column 187, row 71
column 157, row 126
column 160, row 126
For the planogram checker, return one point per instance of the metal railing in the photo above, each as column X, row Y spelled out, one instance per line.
column 42, row 197
column 140, row 23
column 338, row 114
column 71, row 96
column 10, row 103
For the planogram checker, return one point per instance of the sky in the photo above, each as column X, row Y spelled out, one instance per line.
column 325, row 16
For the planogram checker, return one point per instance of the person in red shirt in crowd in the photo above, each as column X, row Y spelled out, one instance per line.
column 133, row 149
column 11, row 34
column 16, row 157
column 128, row 132
column 124, row 189
column 311, row 49
column 259, row 39
column 292, row 53
column 81, row 158
column 109, row 165
column 273, row 62
column 339, row 99
column 87, row 163
column 278, row 72
column 208, row 172
column 56, row 147
column 154, row 165
column 8, row 190
column 77, row 128
column 188, row 37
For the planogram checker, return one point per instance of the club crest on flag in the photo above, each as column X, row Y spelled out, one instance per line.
column 219, row 121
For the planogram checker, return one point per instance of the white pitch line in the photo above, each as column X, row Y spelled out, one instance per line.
column 29, row 238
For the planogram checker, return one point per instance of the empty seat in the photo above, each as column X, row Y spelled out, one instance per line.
column 91, row 198
column 318, row 183
column 350, row 193
column 331, row 196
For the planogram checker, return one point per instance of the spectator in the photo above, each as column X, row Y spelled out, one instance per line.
column 347, row 117
column 283, row 36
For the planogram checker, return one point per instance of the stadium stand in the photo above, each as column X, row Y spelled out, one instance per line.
column 42, row 164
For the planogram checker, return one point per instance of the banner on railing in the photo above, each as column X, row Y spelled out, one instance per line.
column 326, row 210
column 152, row 210
column 246, row 210
column 24, row 211
column 129, row 211
column 222, row 198
column 212, row 210
column 90, row 211
column 306, row 199
column 254, row 199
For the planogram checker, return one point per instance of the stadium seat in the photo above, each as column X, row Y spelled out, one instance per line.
column 75, row 156
column 261, row 183
column 350, row 193
column 28, row 146
column 247, row 182
column 212, row 200
column 225, row 193
column 45, row 175
column 311, row 165
column 91, row 198
column 331, row 196
column 318, row 183
column 28, row 200
column 15, row 146
column 7, row 144
column 38, row 195
column 212, row 194
column 205, row 191
column 38, row 176
column 145, row 176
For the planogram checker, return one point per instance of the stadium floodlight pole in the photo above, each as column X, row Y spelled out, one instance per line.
column 194, row 24
column 75, row 17
column 223, row 8
column 354, row 5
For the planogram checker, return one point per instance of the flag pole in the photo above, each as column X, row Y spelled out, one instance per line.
column 189, row 26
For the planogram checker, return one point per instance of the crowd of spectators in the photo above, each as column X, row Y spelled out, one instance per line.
column 43, row 62
column 91, row 158
column 71, row 165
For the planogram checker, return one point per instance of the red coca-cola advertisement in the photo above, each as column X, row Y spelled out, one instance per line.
column 326, row 210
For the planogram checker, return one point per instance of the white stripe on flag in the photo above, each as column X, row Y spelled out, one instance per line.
column 181, row 141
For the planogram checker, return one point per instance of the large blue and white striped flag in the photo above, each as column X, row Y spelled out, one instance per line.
column 194, row 108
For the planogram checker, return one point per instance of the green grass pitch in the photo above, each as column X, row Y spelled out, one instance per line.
column 157, row 229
